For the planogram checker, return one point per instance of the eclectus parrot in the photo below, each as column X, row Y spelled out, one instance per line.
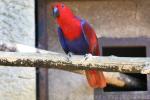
column 78, row 37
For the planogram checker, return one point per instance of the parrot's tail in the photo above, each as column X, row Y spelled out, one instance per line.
column 95, row 79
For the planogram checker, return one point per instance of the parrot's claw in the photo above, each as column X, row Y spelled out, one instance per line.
column 87, row 56
column 70, row 54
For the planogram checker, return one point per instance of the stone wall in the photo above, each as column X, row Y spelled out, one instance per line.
column 109, row 18
column 17, row 25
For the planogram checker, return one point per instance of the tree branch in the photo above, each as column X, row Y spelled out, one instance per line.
column 22, row 55
column 76, row 62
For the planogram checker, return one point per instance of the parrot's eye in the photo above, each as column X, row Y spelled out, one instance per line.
column 62, row 5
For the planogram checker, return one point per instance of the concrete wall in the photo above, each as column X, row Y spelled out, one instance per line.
column 17, row 25
column 109, row 18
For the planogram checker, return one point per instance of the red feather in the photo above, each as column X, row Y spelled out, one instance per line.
column 95, row 78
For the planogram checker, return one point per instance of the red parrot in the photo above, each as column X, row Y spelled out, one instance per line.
column 78, row 37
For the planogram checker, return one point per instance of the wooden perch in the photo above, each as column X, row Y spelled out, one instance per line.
column 76, row 62
column 48, row 59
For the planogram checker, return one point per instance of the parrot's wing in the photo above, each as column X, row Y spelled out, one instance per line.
column 62, row 40
column 90, row 37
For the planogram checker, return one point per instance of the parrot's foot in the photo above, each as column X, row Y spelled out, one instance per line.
column 70, row 54
column 88, row 56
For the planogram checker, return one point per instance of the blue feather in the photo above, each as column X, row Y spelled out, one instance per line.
column 78, row 46
column 62, row 40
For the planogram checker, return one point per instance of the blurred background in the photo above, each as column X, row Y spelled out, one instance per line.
column 17, row 24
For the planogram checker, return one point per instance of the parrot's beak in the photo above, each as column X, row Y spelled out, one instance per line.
column 55, row 12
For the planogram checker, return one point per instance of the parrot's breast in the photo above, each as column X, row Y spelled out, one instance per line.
column 78, row 46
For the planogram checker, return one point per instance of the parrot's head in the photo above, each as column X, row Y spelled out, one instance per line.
column 61, row 12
